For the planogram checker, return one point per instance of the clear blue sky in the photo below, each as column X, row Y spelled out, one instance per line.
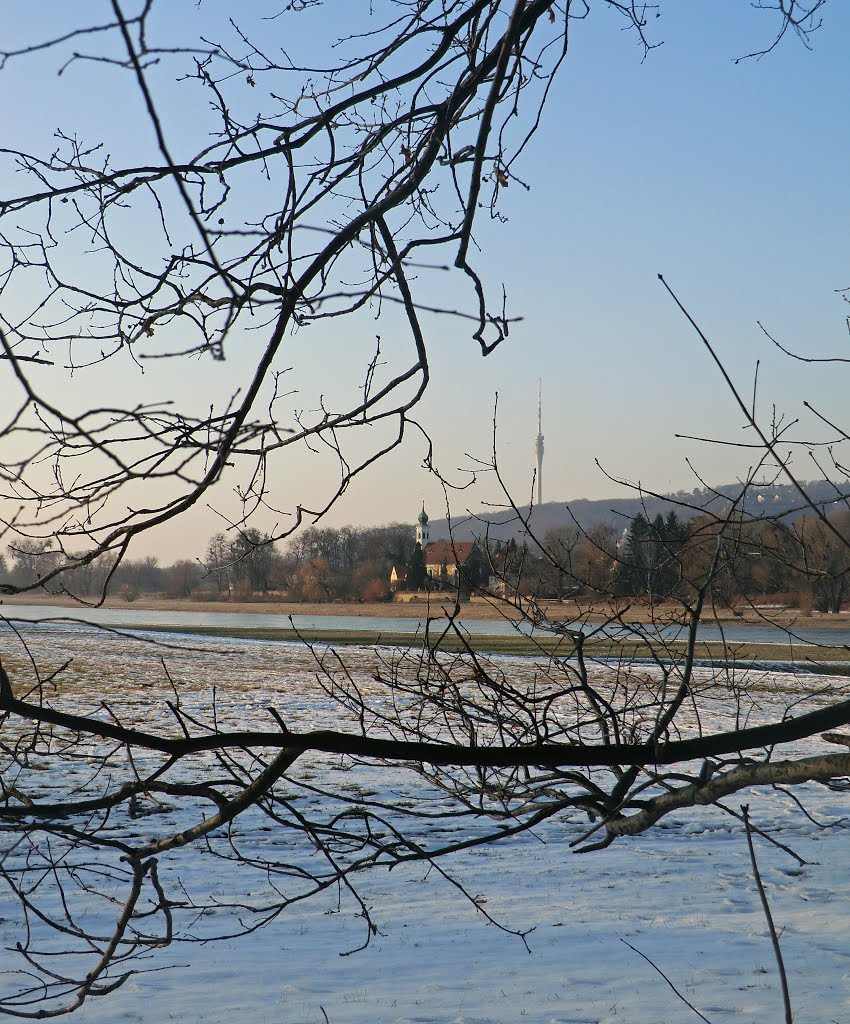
column 728, row 178
column 731, row 180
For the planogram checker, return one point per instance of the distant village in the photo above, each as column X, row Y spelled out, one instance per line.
column 761, row 543
column 767, row 548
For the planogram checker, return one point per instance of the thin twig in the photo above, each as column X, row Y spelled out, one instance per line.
column 655, row 967
column 774, row 938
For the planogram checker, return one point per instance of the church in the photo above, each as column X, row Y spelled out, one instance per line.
column 443, row 560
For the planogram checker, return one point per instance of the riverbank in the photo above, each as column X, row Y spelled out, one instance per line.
column 477, row 608
column 795, row 658
column 805, row 645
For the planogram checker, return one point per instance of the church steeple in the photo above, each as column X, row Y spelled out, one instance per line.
column 422, row 533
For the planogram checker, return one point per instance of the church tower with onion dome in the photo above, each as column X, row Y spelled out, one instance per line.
column 423, row 536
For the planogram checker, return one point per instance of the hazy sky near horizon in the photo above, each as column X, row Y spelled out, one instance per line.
column 729, row 178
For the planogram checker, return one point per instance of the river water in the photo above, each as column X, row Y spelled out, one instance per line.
column 149, row 619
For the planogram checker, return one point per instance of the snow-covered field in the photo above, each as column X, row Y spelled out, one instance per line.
column 682, row 895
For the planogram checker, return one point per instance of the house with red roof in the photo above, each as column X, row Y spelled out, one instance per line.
column 444, row 558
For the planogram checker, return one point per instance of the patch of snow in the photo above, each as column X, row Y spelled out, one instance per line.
column 682, row 894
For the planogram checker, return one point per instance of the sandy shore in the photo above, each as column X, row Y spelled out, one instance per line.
column 477, row 608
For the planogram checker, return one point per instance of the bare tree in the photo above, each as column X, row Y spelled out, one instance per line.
column 292, row 193
column 257, row 223
column 217, row 563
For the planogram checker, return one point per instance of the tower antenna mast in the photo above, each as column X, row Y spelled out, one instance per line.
column 538, row 447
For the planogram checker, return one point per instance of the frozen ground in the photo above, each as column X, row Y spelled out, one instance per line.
column 682, row 895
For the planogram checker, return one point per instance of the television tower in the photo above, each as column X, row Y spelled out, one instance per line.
column 538, row 445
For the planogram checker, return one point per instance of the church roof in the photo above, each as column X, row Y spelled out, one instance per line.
column 444, row 552
column 423, row 516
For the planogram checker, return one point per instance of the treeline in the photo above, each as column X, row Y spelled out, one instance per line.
column 319, row 564
column 324, row 564
column 27, row 561
column 805, row 563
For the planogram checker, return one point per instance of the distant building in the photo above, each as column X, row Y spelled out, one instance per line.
column 398, row 577
column 443, row 556
column 502, row 576
column 443, row 560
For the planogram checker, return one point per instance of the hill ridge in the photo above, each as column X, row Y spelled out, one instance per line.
column 772, row 500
